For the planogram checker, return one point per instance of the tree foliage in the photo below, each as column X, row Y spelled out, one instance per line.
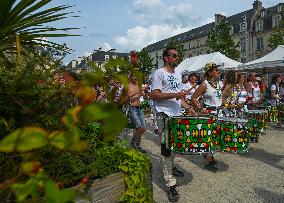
column 221, row 40
column 277, row 37
column 145, row 64
column 28, row 19
column 179, row 47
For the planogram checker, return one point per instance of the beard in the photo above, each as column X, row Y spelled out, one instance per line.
column 173, row 65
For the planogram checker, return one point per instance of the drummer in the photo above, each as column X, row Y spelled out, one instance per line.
column 211, row 91
column 191, row 86
column 254, row 95
column 168, row 98
column 229, row 92
column 275, row 93
column 242, row 94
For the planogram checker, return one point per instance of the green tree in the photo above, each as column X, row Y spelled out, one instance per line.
column 277, row 37
column 28, row 19
column 145, row 64
column 221, row 40
column 179, row 47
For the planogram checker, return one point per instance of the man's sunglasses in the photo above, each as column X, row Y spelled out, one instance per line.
column 173, row 55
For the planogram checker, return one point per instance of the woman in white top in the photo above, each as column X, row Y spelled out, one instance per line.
column 211, row 91
column 229, row 90
column 242, row 94
column 192, row 86
column 275, row 93
column 253, row 89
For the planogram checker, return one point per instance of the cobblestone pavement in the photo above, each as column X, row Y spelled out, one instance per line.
column 256, row 176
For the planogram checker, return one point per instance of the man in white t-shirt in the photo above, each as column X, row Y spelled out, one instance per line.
column 168, row 97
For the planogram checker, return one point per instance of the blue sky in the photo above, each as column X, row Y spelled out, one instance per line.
column 133, row 24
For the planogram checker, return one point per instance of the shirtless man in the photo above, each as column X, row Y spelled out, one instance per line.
column 134, row 92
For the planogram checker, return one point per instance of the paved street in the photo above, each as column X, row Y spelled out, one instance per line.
column 257, row 176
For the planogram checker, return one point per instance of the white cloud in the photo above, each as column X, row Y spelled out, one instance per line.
column 159, row 20
column 157, row 12
column 106, row 46
column 86, row 54
column 146, row 3
column 139, row 37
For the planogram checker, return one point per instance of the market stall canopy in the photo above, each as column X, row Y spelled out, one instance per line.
column 270, row 63
column 196, row 63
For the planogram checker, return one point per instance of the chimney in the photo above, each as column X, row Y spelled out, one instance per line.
column 219, row 18
column 257, row 5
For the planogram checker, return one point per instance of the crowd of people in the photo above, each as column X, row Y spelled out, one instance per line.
column 171, row 94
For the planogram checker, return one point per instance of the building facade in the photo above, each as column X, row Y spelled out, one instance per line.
column 251, row 28
column 99, row 57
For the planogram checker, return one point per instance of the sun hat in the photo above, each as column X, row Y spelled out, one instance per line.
column 210, row 66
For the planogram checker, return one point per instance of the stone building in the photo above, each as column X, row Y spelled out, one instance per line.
column 99, row 57
column 251, row 28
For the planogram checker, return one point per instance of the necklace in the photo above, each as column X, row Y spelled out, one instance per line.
column 211, row 83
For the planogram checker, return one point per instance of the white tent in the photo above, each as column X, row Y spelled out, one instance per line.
column 196, row 64
column 270, row 63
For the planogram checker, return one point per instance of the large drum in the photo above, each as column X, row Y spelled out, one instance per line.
column 280, row 108
column 261, row 117
column 234, row 136
column 192, row 135
column 273, row 114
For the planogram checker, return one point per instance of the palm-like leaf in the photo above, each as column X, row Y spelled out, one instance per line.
column 24, row 18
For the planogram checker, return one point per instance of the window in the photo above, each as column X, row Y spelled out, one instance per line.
column 259, row 43
column 262, row 14
column 279, row 8
column 276, row 21
column 198, row 43
column 243, row 27
column 258, row 25
column 189, row 46
column 106, row 57
column 190, row 55
column 243, row 44
column 232, row 30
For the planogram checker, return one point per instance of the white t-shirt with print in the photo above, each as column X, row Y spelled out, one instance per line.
column 167, row 83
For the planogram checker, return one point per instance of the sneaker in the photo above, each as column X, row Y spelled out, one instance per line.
column 211, row 167
column 173, row 194
column 213, row 161
column 177, row 172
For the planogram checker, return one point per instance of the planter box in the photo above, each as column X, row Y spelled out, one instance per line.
column 106, row 190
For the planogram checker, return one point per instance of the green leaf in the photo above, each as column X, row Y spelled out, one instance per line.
column 22, row 191
column 124, row 168
column 24, row 139
column 135, row 179
column 59, row 139
column 71, row 117
column 54, row 195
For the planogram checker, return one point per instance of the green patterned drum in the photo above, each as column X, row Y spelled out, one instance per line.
column 192, row 135
column 261, row 117
column 234, row 136
column 273, row 115
column 280, row 108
